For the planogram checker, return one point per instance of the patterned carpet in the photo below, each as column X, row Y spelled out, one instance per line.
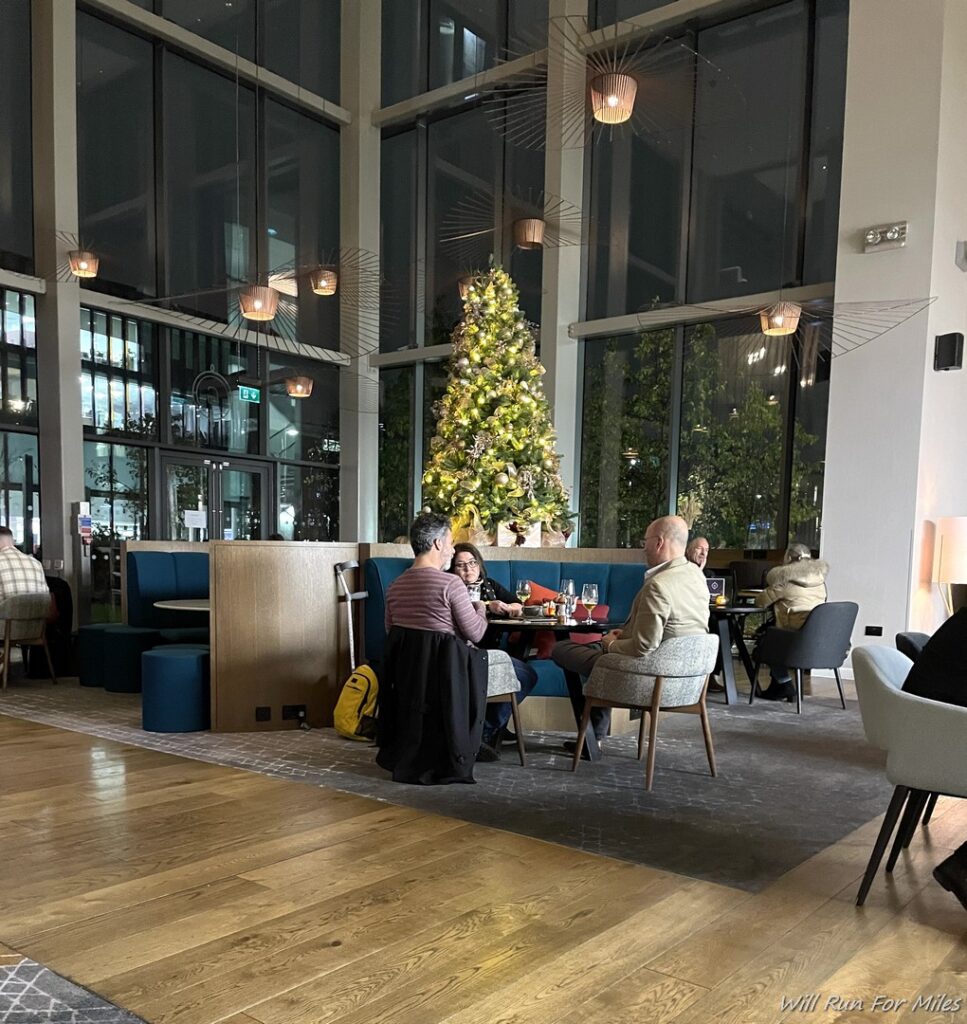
column 787, row 785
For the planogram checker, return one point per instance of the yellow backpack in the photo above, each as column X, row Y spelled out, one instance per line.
column 355, row 714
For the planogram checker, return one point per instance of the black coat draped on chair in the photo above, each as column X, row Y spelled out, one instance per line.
column 432, row 699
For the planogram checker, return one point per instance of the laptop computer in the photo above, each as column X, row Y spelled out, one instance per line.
column 716, row 587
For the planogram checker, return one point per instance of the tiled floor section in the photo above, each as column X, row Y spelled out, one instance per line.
column 787, row 785
column 32, row 994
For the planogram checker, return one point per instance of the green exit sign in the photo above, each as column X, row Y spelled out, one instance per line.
column 247, row 394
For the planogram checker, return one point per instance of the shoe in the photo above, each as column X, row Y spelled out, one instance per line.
column 506, row 736
column 569, row 746
column 715, row 687
column 779, row 691
column 950, row 874
column 487, row 753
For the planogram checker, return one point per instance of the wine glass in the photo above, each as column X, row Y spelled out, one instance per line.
column 589, row 598
column 523, row 591
column 570, row 601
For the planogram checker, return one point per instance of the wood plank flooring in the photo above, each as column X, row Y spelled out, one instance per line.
column 191, row 893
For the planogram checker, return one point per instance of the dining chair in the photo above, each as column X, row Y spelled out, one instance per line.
column 502, row 686
column 24, row 618
column 674, row 677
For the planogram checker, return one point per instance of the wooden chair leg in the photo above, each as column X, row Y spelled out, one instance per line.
column 886, row 830
column 652, row 745
column 50, row 662
column 839, row 686
column 517, row 730
column 641, row 734
column 6, row 653
column 798, row 691
column 582, row 732
column 755, row 680
column 707, row 732
column 928, row 813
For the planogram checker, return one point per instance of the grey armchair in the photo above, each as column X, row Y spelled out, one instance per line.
column 672, row 678
column 911, row 644
column 24, row 618
column 502, row 686
column 925, row 741
column 822, row 642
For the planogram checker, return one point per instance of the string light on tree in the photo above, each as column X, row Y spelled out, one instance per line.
column 493, row 459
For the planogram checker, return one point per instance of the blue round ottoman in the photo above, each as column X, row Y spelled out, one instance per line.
column 123, row 647
column 90, row 653
column 175, row 693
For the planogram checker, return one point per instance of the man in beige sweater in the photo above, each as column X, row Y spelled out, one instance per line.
column 673, row 601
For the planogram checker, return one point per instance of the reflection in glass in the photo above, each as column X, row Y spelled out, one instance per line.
column 186, row 487
column 625, row 431
column 309, row 503
column 305, row 429
column 115, row 132
column 241, row 504
column 809, row 440
column 463, row 38
column 20, row 489
column 18, row 360
column 396, row 424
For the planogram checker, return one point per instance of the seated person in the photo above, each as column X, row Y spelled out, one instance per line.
column 673, row 601
column 697, row 551
column 940, row 673
column 427, row 597
column 792, row 590
column 469, row 565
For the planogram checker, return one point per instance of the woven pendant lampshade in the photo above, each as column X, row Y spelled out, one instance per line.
column 780, row 319
column 324, row 281
column 529, row 233
column 83, row 263
column 258, row 302
column 298, row 387
column 613, row 97
column 464, row 285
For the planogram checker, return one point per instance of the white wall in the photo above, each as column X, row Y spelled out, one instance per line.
column 888, row 444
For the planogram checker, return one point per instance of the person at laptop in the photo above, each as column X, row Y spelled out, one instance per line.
column 697, row 552
column 793, row 589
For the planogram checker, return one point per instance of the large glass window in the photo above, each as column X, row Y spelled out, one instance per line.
column 118, row 375
column 607, row 12
column 20, row 488
column 115, row 129
column 463, row 38
column 300, row 42
column 16, row 168
column 404, row 69
column 397, row 418
column 302, row 214
column 209, row 154
column 228, row 24
column 18, row 360
column 399, row 213
column 746, row 178
column 625, row 437
column 304, row 429
column 809, row 439
column 309, row 502
column 116, row 485
column 206, row 409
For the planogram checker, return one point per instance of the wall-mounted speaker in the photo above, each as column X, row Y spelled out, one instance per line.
column 948, row 352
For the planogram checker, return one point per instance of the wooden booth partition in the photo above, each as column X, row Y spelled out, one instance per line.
column 150, row 545
column 278, row 633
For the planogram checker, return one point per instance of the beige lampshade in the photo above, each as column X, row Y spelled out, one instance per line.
column 298, row 387
column 258, row 302
column 529, row 233
column 950, row 550
column 782, row 318
column 83, row 262
column 613, row 97
column 324, row 281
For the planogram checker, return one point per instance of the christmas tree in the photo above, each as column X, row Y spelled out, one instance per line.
column 493, row 459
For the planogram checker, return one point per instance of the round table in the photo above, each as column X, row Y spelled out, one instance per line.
column 186, row 604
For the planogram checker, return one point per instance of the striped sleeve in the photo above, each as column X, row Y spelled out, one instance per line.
column 469, row 622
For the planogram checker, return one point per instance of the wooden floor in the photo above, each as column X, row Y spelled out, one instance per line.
column 192, row 893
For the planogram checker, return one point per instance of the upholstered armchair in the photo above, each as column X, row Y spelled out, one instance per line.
column 24, row 621
column 503, row 685
column 674, row 677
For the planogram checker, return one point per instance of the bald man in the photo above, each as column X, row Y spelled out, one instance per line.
column 697, row 551
column 673, row 601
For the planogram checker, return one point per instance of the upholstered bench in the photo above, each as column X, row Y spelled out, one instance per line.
column 175, row 695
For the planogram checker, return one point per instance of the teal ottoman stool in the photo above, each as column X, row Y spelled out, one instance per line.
column 175, row 692
column 123, row 647
column 90, row 653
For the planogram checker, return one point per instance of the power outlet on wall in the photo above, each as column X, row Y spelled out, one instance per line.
column 873, row 631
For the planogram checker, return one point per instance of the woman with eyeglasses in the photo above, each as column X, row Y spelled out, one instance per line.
column 468, row 564
column 470, row 567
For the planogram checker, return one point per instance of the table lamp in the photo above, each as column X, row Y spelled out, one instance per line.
column 950, row 556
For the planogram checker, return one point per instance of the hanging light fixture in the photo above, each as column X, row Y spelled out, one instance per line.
column 529, row 233
column 464, row 284
column 258, row 302
column 298, row 387
column 324, row 281
column 782, row 318
column 83, row 262
column 613, row 97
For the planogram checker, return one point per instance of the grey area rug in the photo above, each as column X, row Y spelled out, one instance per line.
column 787, row 785
column 33, row 994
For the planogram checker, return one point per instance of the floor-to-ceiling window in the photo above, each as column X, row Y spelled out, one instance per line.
column 16, row 159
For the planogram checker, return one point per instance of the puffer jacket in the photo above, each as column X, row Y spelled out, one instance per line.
column 795, row 589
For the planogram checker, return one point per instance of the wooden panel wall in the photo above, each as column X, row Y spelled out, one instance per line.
column 149, row 545
column 278, row 631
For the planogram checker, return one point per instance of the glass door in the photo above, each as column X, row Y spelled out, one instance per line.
column 219, row 498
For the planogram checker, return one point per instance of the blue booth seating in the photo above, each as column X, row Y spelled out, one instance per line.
column 617, row 586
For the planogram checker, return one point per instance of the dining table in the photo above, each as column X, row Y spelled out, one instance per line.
column 186, row 604
column 561, row 628
column 729, row 623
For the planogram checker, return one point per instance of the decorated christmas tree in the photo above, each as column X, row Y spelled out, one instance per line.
column 493, row 461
